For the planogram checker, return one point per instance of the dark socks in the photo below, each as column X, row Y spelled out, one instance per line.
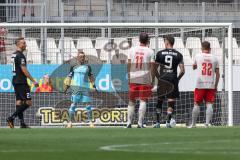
column 158, row 110
column 169, row 116
column 20, row 115
column 158, row 114
column 21, row 118
column 19, row 112
column 15, row 114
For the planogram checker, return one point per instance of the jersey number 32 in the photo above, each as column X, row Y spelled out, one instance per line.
column 207, row 69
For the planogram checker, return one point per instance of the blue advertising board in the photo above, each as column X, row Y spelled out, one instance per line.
column 109, row 78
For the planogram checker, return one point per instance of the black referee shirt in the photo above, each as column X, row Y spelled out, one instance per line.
column 18, row 60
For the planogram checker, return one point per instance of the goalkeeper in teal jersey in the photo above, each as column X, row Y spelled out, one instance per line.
column 79, row 80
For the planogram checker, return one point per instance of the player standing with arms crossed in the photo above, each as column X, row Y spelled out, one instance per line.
column 140, row 62
column 207, row 81
column 169, row 59
column 19, row 81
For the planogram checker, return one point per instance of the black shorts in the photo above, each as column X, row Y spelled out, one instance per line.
column 22, row 92
column 168, row 87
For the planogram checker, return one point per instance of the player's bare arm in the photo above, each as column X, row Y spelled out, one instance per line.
column 217, row 77
column 28, row 75
column 182, row 70
column 154, row 71
column 152, row 64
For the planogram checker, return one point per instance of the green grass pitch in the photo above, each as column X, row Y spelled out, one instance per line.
column 120, row 144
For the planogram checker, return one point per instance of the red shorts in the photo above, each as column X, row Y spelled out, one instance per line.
column 142, row 91
column 207, row 94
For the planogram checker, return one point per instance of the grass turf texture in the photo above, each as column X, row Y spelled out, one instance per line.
column 120, row 144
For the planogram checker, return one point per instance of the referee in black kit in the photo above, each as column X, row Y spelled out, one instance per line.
column 21, row 88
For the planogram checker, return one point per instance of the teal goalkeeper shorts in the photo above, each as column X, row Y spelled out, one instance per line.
column 82, row 97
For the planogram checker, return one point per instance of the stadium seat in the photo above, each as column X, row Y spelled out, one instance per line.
column 236, row 55
column 33, row 51
column 160, row 43
column 32, row 44
column 90, row 51
column 218, row 52
column 135, row 41
column 84, row 42
column 118, row 41
column 34, row 57
column 119, row 59
column 193, row 42
column 186, row 55
column 234, row 43
column 196, row 51
column 69, row 48
column 53, row 53
column 125, row 52
column 104, row 55
column 101, row 42
column 213, row 41
column 178, row 43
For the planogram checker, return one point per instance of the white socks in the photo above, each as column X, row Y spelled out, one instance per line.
column 131, row 109
column 209, row 113
column 141, row 113
column 195, row 113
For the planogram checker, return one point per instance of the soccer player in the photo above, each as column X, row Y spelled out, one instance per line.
column 140, row 61
column 207, row 81
column 169, row 60
column 19, row 81
column 78, row 79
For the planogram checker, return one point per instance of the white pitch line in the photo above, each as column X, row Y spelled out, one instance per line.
column 124, row 147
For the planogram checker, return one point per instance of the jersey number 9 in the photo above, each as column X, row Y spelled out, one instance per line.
column 168, row 61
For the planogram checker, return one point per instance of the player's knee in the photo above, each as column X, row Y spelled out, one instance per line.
column 171, row 105
column 72, row 108
column 196, row 103
column 29, row 103
column 143, row 102
column 143, row 105
column 210, row 106
column 131, row 103
column 18, row 102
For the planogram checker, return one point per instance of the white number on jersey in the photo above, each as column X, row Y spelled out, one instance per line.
column 168, row 60
column 207, row 69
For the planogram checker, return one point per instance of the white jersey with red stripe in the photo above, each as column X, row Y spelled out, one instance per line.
column 141, row 57
column 206, row 66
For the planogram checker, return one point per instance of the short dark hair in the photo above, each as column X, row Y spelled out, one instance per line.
column 81, row 52
column 143, row 38
column 206, row 45
column 170, row 39
column 18, row 40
